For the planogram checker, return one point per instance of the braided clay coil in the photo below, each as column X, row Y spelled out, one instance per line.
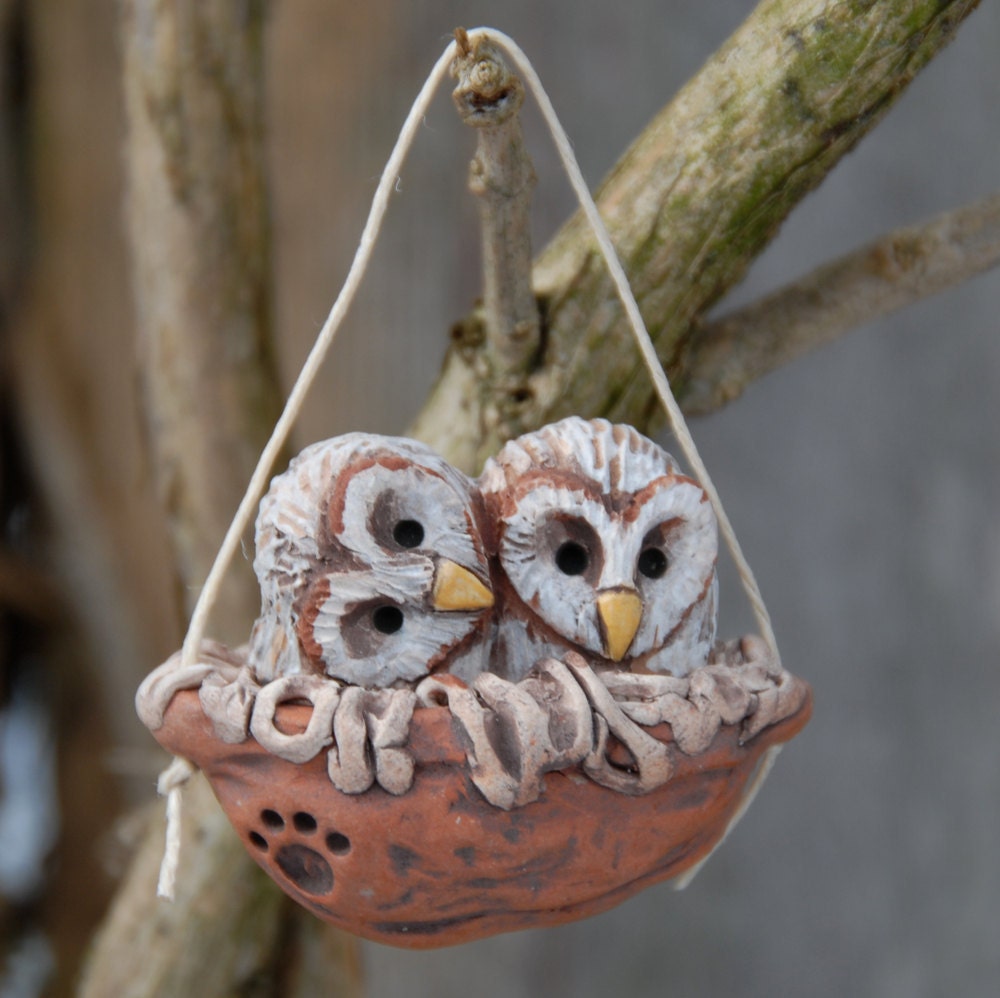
column 437, row 815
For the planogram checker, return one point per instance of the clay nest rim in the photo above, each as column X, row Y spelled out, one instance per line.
column 435, row 816
column 439, row 864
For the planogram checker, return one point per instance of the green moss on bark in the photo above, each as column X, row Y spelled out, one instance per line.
column 697, row 197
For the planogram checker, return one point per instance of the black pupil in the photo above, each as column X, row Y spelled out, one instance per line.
column 572, row 558
column 652, row 563
column 387, row 619
column 408, row 534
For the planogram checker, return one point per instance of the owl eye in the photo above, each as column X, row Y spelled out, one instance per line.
column 408, row 533
column 387, row 619
column 572, row 558
column 652, row 563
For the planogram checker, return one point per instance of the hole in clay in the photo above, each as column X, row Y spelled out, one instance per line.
column 304, row 822
column 619, row 756
column 305, row 868
column 652, row 563
column 387, row 619
column 259, row 841
column 408, row 533
column 272, row 819
column 338, row 844
column 289, row 722
column 572, row 558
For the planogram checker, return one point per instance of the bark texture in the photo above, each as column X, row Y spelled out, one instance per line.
column 698, row 195
column 489, row 99
column 198, row 227
column 899, row 268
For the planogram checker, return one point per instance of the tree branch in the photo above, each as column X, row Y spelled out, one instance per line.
column 698, row 195
column 489, row 98
column 200, row 246
column 897, row 269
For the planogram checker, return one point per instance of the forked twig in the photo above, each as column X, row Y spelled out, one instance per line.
column 897, row 269
column 489, row 98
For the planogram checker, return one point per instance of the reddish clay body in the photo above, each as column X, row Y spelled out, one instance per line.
column 439, row 865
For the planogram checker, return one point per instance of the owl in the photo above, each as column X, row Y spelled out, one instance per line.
column 602, row 546
column 371, row 566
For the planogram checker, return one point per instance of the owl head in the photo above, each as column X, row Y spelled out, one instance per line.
column 607, row 546
column 371, row 565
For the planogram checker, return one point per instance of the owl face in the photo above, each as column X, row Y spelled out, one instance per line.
column 371, row 565
column 607, row 546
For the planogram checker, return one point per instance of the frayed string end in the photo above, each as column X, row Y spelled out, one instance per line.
column 170, row 784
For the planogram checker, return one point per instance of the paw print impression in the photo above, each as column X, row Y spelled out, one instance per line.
column 298, row 850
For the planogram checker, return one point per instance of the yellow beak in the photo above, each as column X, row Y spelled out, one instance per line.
column 620, row 611
column 456, row 588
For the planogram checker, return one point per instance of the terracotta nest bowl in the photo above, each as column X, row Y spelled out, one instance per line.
column 438, row 864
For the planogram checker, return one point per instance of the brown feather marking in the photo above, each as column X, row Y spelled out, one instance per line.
column 386, row 459
column 307, row 609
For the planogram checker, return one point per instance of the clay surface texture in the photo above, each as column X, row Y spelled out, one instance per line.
column 471, row 707
column 436, row 816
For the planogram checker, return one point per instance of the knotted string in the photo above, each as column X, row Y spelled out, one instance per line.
column 170, row 783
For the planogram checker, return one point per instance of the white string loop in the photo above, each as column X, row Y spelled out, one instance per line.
column 324, row 339
column 386, row 185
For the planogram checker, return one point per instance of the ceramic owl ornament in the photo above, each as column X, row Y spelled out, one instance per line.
column 469, row 707
column 371, row 566
column 603, row 547
column 453, row 681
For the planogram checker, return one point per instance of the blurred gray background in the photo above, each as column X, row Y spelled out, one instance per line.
column 864, row 483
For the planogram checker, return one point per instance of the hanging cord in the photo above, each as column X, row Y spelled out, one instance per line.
column 307, row 376
column 180, row 770
column 245, row 511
